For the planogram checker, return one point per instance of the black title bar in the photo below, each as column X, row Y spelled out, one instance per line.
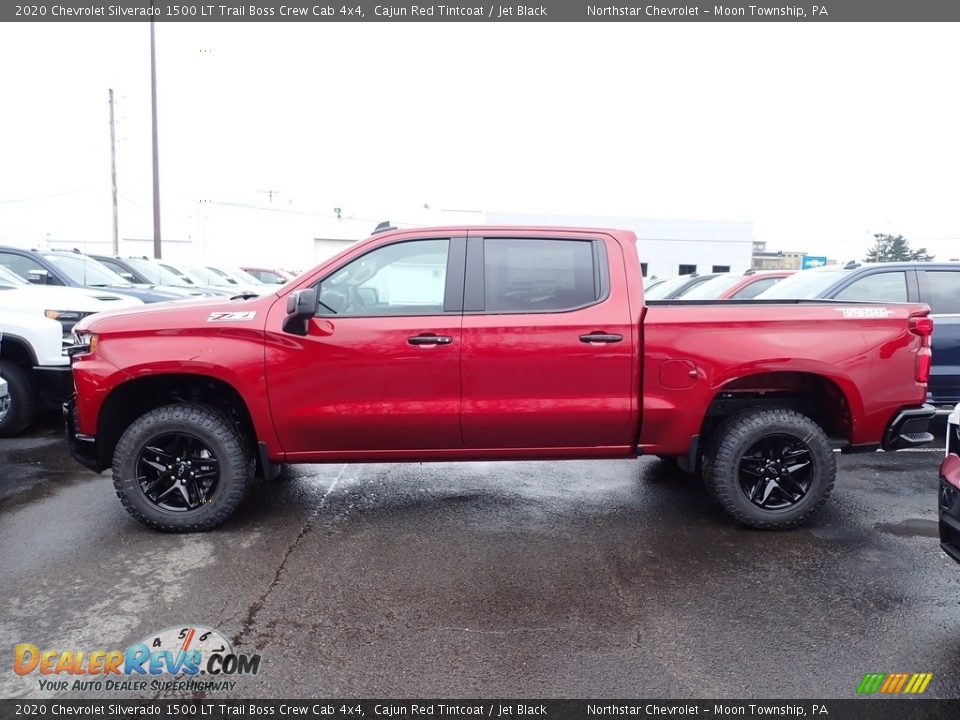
column 479, row 11
column 213, row 709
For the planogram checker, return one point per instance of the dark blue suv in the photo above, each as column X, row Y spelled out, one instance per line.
column 936, row 284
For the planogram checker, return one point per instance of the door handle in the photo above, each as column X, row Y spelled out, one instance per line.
column 430, row 339
column 599, row 337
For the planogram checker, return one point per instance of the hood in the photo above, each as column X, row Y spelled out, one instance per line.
column 46, row 297
column 181, row 315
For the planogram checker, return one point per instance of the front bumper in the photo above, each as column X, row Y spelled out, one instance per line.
column 83, row 448
column 55, row 381
column 909, row 428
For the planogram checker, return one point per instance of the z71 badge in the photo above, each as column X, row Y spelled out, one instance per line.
column 232, row 316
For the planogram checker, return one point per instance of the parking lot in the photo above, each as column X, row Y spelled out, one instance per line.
column 572, row 579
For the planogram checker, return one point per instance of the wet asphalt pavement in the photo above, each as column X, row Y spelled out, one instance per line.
column 566, row 579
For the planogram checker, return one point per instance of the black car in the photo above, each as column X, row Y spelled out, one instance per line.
column 73, row 269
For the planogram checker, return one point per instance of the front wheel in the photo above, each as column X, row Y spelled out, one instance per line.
column 770, row 468
column 182, row 468
column 19, row 408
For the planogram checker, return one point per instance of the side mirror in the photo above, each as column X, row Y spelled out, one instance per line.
column 38, row 277
column 301, row 306
column 128, row 276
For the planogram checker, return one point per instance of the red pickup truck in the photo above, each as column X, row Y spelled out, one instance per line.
column 484, row 343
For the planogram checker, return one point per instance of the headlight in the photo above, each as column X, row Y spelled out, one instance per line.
column 67, row 318
column 84, row 343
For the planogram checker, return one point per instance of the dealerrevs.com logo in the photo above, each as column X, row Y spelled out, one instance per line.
column 186, row 653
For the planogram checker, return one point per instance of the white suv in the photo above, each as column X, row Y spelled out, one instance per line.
column 36, row 323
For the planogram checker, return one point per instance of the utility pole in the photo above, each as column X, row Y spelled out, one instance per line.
column 113, row 177
column 156, row 156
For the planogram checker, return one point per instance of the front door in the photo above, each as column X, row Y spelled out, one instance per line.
column 379, row 368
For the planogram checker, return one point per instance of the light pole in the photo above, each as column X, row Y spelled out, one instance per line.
column 156, row 156
column 113, row 177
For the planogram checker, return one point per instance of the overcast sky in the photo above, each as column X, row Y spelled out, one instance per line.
column 821, row 134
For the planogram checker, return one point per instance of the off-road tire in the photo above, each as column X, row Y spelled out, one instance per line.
column 23, row 399
column 216, row 431
column 741, row 432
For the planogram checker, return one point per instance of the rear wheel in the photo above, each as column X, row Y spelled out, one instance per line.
column 182, row 468
column 770, row 468
column 19, row 409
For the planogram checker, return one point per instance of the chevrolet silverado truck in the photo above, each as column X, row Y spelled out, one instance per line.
column 491, row 343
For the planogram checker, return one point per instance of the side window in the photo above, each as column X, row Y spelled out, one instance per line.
column 406, row 278
column 879, row 287
column 754, row 289
column 944, row 289
column 19, row 264
column 686, row 269
column 721, row 268
column 539, row 275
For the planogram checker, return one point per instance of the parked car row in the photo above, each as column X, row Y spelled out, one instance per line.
column 44, row 294
column 714, row 286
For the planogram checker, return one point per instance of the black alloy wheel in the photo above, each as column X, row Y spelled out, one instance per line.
column 178, row 472
column 776, row 472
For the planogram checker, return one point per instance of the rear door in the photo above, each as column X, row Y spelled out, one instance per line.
column 940, row 289
column 547, row 343
column 379, row 368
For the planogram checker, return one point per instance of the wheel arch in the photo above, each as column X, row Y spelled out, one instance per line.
column 15, row 349
column 131, row 399
column 829, row 401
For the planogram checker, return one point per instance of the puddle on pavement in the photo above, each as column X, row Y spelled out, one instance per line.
column 912, row 527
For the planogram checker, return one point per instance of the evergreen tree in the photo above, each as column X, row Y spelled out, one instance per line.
column 894, row 248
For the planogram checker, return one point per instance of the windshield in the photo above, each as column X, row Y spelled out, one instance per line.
column 667, row 287
column 84, row 271
column 217, row 276
column 804, row 285
column 8, row 278
column 712, row 288
column 244, row 277
column 185, row 277
column 155, row 273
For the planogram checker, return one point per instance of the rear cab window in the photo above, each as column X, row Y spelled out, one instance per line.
column 536, row 275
